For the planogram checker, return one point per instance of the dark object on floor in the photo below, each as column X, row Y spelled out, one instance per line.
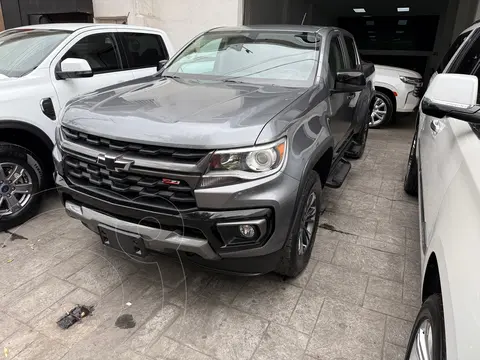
column 74, row 315
column 125, row 321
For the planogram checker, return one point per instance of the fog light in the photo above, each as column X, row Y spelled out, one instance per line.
column 247, row 231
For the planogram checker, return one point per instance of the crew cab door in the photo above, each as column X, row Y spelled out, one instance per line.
column 143, row 50
column 439, row 152
column 101, row 50
column 341, row 111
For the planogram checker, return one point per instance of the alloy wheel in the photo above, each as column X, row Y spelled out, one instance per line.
column 307, row 224
column 379, row 111
column 422, row 348
column 16, row 188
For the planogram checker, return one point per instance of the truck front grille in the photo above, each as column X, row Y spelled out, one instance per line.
column 100, row 143
column 144, row 191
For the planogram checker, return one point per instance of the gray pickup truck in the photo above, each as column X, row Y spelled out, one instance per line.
column 223, row 154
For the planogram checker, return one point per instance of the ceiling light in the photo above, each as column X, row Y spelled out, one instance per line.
column 372, row 36
column 371, row 31
column 402, row 22
column 403, row 9
column 359, row 10
column 399, row 31
column 370, row 23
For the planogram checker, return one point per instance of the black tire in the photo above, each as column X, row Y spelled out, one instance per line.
column 432, row 311
column 410, row 183
column 357, row 148
column 389, row 109
column 292, row 263
column 14, row 154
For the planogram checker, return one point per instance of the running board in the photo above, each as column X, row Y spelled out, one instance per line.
column 339, row 174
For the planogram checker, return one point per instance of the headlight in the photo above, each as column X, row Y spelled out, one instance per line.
column 231, row 166
column 411, row 80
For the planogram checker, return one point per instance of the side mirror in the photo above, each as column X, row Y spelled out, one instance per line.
column 72, row 68
column 453, row 95
column 349, row 81
column 161, row 64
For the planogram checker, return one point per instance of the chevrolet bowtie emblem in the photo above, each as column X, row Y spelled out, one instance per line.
column 114, row 163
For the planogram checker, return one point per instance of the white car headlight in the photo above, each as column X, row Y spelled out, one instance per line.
column 411, row 80
column 231, row 166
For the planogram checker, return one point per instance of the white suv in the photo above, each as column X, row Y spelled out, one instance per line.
column 397, row 90
column 444, row 169
column 42, row 67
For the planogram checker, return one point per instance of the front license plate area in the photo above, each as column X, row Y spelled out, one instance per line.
column 123, row 241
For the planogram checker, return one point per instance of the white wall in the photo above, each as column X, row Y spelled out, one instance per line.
column 181, row 19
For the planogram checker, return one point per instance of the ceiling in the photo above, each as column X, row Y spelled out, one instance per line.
column 380, row 7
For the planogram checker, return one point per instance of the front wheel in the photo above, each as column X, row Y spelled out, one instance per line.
column 382, row 110
column 21, row 175
column 299, row 245
column 427, row 339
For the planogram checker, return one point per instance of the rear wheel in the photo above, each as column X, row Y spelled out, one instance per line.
column 21, row 176
column 410, row 183
column 382, row 110
column 427, row 339
column 299, row 245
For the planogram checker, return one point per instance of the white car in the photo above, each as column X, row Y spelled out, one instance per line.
column 397, row 90
column 42, row 67
column 444, row 169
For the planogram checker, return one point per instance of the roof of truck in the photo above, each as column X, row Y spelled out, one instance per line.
column 321, row 30
column 282, row 27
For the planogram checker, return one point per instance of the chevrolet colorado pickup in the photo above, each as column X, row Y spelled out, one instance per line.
column 222, row 155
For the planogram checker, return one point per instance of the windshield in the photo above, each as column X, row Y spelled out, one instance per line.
column 21, row 51
column 261, row 57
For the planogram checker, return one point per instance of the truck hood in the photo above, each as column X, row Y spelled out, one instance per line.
column 179, row 112
column 400, row 71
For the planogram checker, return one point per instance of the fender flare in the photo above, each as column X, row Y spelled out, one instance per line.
column 32, row 129
column 327, row 144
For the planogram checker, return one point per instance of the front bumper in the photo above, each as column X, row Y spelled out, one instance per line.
column 196, row 233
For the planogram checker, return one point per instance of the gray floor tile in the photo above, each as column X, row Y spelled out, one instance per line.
column 367, row 260
column 269, row 298
column 39, row 299
column 347, row 332
column 398, row 331
column 149, row 332
column 19, row 340
column 393, row 352
column 382, row 244
column 224, row 288
column 349, row 224
column 338, row 282
column 302, row 279
column 8, row 325
column 168, row 349
column 43, row 348
column 281, row 343
column 385, row 289
column 306, row 312
column 216, row 330
column 389, row 307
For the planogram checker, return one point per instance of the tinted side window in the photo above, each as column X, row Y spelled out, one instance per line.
column 452, row 50
column 352, row 56
column 100, row 50
column 335, row 58
column 467, row 64
column 144, row 50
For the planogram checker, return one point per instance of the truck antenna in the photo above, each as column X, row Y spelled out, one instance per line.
column 304, row 16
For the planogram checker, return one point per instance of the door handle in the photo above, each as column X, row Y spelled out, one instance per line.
column 434, row 125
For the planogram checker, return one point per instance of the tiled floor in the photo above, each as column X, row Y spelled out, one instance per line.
column 356, row 300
